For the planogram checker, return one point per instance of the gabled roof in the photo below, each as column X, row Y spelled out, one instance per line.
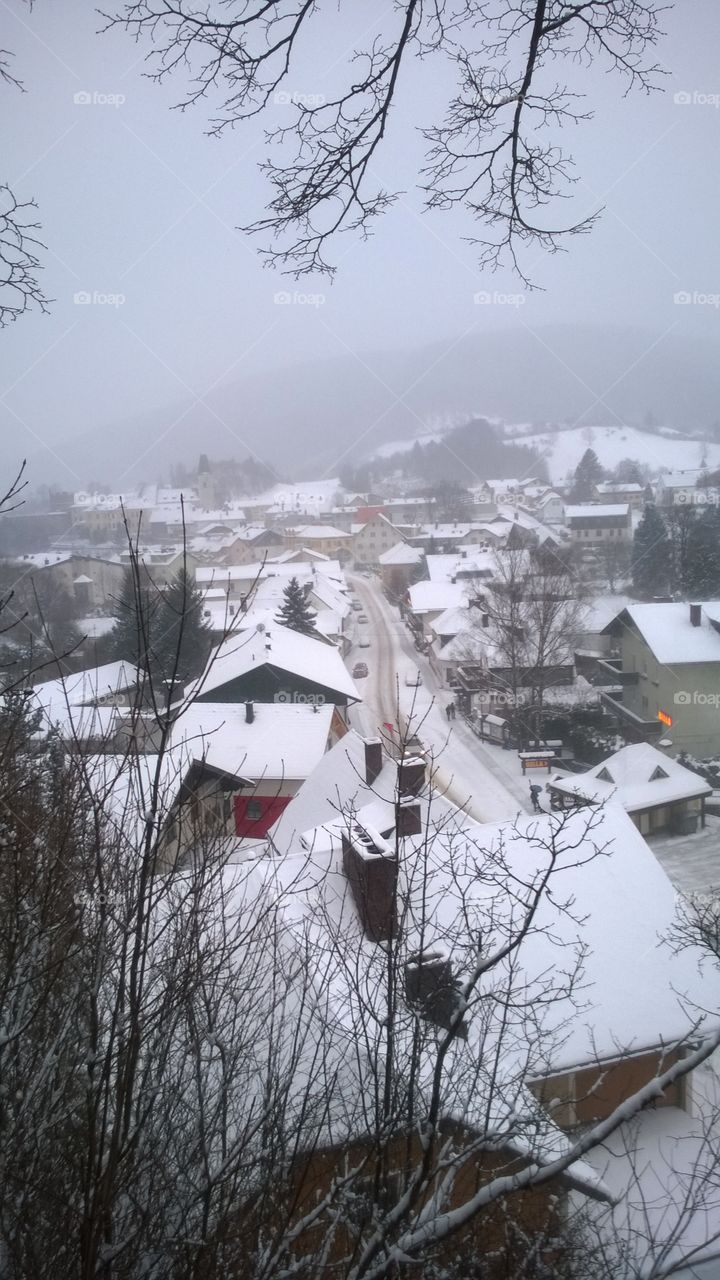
column 283, row 741
column 285, row 650
column 401, row 553
column 637, row 777
column 596, row 510
column 669, row 633
column 80, row 705
column 316, row 817
column 426, row 597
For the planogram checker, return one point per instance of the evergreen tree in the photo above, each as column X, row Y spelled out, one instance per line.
column 181, row 636
column 134, row 611
column 588, row 473
column 702, row 565
column 295, row 612
column 651, row 555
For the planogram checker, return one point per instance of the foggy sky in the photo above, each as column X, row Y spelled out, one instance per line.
column 136, row 201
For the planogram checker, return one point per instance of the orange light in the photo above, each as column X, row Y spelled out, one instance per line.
column 664, row 717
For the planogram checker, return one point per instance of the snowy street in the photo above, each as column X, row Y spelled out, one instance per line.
column 483, row 780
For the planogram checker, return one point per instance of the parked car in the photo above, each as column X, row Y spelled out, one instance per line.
column 413, row 677
column 363, row 640
column 359, row 670
column 362, row 617
column 356, row 605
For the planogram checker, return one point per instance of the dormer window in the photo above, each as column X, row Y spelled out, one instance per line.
column 604, row 776
column 658, row 773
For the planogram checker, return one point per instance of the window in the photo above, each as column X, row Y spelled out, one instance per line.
column 658, row 773
column 254, row 810
column 604, row 776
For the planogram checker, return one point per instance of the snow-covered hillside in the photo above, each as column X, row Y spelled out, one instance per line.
column 564, row 449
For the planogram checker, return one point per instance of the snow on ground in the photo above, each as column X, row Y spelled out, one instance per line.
column 692, row 862
column 483, row 780
column 564, row 449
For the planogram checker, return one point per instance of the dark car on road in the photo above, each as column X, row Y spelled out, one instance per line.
column 359, row 670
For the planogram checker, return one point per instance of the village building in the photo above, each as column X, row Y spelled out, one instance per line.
column 89, row 581
column 656, row 791
column 399, row 567
column 669, row 668
column 593, row 524
column 371, row 539
column 325, row 538
column 274, row 664
column 613, row 491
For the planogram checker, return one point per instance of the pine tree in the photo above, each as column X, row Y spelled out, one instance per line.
column 651, row 555
column 295, row 612
column 134, row 611
column 181, row 636
column 588, row 473
column 702, row 567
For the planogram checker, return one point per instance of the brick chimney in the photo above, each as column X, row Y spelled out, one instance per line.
column 373, row 759
column 695, row 615
column 411, row 776
column 249, row 712
column 372, row 869
column 408, row 817
column 430, row 987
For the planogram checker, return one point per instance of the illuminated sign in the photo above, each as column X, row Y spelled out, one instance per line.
column 664, row 718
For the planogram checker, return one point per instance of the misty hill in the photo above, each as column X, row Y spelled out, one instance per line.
column 309, row 419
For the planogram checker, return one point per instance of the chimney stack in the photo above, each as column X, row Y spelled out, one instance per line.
column 430, row 987
column 249, row 712
column 411, row 776
column 408, row 818
column 372, row 869
column 695, row 615
column 373, row 759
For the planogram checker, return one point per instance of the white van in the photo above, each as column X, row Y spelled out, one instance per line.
column 412, row 677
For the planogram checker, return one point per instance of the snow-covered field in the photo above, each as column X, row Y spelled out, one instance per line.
column 564, row 449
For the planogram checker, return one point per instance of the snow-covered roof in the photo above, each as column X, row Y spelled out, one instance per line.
column 452, row 621
column 661, row 1170
column 81, row 704
column 598, row 613
column 669, row 633
column 427, row 597
column 638, row 993
column 607, row 902
column 284, row 741
column 638, row 777
column 312, row 531
column 468, row 646
column 596, row 510
column 41, row 559
column 316, row 817
column 609, row 486
column 401, row 553
column 279, row 647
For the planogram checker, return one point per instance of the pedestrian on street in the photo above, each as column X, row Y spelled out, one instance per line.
column 448, row 710
column 534, row 794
